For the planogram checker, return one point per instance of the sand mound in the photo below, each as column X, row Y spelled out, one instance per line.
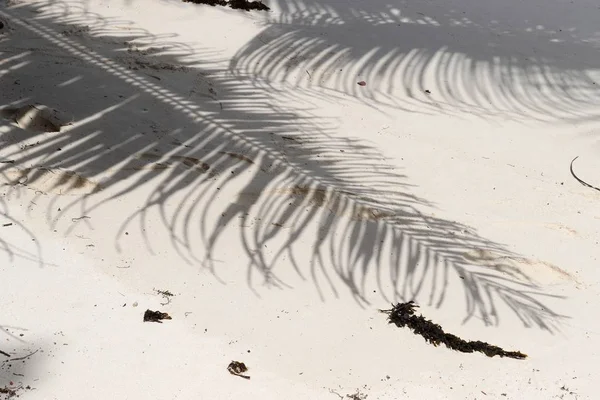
column 37, row 118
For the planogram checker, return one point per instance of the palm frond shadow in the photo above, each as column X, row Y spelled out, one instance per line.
column 299, row 182
column 434, row 58
column 13, row 235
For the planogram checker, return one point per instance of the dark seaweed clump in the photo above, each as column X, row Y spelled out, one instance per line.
column 403, row 314
column 235, row 4
column 155, row 316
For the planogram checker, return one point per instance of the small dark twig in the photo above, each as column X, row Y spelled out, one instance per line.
column 24, row 357
column 579, row 179
column 402, row 314
column 4, row 354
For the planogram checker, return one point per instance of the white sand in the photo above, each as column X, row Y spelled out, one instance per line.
column 232, row 159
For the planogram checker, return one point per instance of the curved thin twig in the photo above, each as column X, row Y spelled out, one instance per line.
column 584, row 183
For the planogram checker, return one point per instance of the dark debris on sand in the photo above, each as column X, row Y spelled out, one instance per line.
column 403, row 314
column 235, row 4
column 10, row 392
column 155, row 316
column 238, row 368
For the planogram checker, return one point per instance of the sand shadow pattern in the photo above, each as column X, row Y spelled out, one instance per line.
column 301, row 181
column 432, row 58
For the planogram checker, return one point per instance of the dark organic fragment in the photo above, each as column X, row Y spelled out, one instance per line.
column 10, row 393
column 208, row 2
column 13, row 391
column 237, row 368
column 235, row 4
column 166, row 296
column 403, row 314
column 248, row 5
column 155, row 316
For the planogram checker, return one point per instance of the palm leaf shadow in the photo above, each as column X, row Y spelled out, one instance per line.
column 299, row 181
column 432, row 58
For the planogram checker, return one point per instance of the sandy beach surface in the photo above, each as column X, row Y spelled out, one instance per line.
column 272, row 179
